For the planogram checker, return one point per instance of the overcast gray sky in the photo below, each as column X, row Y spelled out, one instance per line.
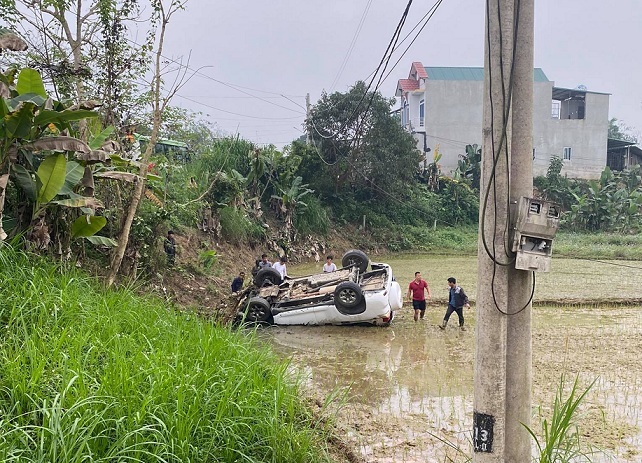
column 289, row 47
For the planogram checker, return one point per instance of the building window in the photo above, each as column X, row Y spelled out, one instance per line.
column 556, row 109
column 567, row 153
column 404, row 113
column 421, row 113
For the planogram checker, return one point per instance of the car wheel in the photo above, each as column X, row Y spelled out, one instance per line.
column 356, row 258
column 267, row 276
column 258, row 310
column 349, row 299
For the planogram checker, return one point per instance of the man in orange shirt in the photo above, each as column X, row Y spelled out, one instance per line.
column 416, row 289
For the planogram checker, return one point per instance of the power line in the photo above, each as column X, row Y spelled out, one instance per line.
column 384, row 58
column 237, row 114
column 352, row 44
column 232, row 86
column 430, row 14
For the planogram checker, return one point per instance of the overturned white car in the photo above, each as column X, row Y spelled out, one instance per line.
column 353, row 294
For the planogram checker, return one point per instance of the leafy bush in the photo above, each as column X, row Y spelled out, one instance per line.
column 236, row 227
column 312, row 219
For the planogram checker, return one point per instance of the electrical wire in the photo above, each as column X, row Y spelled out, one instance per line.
column 430, row 14
column 237, row 114
column 352, row 44
column 384, row 58
column 238, row 88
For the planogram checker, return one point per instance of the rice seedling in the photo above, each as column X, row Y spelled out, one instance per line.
column 560, row 439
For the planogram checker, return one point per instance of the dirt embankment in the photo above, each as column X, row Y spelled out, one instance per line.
column 204, row 286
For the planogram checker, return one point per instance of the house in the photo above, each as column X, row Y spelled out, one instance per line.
column 442, row 107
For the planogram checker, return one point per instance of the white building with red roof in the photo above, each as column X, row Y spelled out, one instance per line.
column 442, row 107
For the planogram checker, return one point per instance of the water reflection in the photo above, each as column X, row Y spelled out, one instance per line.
column 411, row 376
column 411, row 385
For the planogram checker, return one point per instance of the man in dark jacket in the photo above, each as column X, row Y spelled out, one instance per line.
column 237, row 283
column 457, row 300
column 170, row 248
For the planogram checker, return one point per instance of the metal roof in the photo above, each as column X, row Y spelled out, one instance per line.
column 470, row 73
column 163, row 141
column 561, row 94
column 615, row 144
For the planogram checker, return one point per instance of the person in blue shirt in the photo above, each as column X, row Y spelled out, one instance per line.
column 457, row 300
column 237, row 283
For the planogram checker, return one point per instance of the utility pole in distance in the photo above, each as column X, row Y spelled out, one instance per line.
column 307, row 115
column 503, row 362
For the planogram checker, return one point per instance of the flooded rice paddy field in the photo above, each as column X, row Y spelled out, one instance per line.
column 407, row 390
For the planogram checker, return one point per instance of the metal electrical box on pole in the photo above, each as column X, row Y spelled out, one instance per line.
column 535, row 227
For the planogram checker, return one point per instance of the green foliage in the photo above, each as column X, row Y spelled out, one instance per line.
column 237, row 228
column 34, row 155
column 358, row 146
column 312, row 219
column 89, row 374
column 148, row 229
column 560, row 438
column 469, row 166
column 612, row 203
column 87, row 225
column 208, row 258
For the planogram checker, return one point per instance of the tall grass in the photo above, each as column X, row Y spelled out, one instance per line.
column 560, row 438
column 94, row 375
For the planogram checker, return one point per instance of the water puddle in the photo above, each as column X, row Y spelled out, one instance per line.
column 409, row 388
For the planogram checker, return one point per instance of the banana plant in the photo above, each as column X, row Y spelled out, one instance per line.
column 36, row 152
column 289, row 201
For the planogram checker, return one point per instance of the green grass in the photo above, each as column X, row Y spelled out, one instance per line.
column 94, row 375
column 598, row 245
column 462, row 241
column 560, row 437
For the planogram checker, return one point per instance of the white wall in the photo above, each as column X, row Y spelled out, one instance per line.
column 454, row 118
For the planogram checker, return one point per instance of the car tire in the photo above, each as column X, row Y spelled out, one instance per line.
column 267, row 276
column 349, row 298
column 258, row 310
column 357, row 258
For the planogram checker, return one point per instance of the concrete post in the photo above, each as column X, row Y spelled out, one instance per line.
column 518, row 330
column 308, row 138
column 503, row 355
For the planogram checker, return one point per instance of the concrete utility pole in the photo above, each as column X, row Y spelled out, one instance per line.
column 307, row 115
column 503, row 342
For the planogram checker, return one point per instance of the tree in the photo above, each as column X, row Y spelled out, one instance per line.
column 81, row 50
column 358, row 146
column 162, row 15
column 620, row 131
column 469, row 166
column 43, row 164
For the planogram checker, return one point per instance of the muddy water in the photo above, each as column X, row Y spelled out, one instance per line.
column 407, row 390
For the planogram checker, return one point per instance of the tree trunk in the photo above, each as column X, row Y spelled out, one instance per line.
column 159, row 106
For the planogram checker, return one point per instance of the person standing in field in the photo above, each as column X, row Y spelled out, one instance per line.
column 457, row 300
column 329, row 266
column 416, row 290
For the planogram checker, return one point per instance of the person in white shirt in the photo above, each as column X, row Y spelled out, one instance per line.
column 281, row 267
column 329, row 265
